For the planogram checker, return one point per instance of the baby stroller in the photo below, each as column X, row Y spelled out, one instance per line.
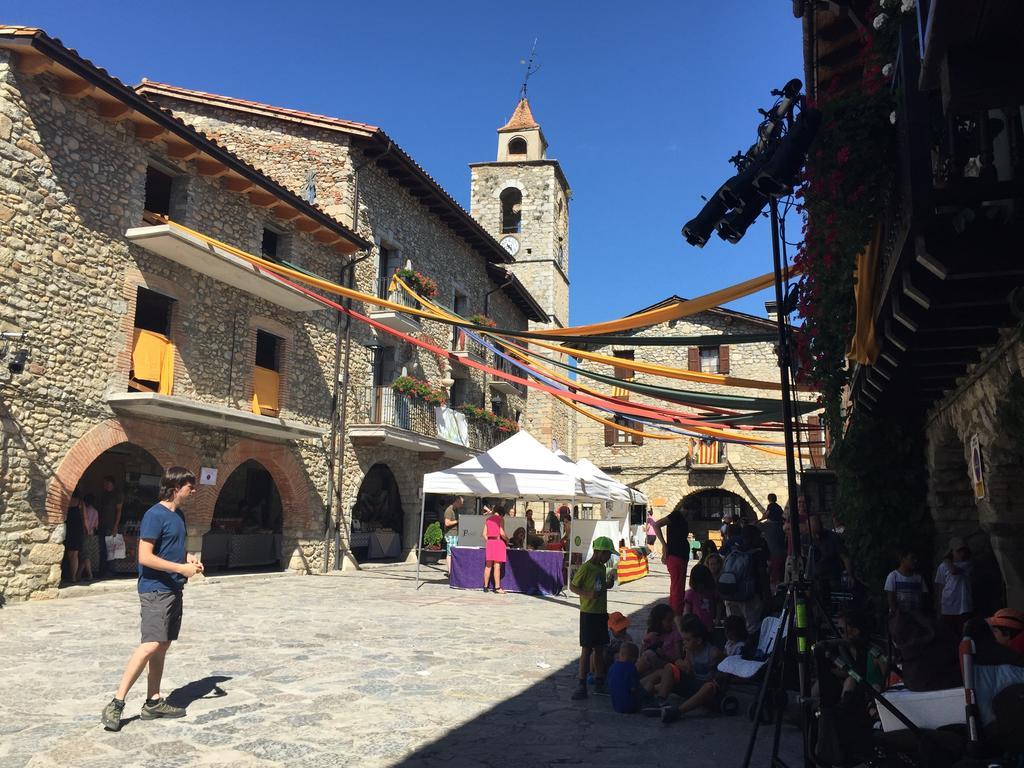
column 747, row 672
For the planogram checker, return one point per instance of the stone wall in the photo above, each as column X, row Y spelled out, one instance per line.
column 71, row 183
column 659, row 467
column 988, row 403
column 391, row 217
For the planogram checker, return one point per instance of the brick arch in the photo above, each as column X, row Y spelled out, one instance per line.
column 289, row 474
column 162, row 442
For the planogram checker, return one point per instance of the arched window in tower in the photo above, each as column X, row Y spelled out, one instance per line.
column 511, row 210
column 517, row 146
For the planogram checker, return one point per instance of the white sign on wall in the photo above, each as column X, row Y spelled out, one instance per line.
column 207, row 476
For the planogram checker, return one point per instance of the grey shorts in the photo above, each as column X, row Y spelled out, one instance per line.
column 161, row 616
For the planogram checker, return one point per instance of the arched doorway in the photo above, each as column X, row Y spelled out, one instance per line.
column 377, row 516
column 125, row 476
column 245, row 531
column 712, row 504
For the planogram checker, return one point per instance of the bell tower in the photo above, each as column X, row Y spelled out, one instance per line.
column 522, row 199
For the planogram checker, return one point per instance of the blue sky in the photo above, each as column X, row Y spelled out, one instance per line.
column 642, row 103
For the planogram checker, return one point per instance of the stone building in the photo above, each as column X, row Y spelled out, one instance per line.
column 723, row 478
column 522, row 198
column 359, row 174
column 136, row 345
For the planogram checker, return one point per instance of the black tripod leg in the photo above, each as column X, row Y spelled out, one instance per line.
column 766, row 682
column 780, row 710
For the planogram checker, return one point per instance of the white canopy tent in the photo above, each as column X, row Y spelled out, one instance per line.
column 518, row 468
column 636, row 496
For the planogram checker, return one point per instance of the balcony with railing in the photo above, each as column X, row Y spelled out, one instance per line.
column 947, row 263
column 392, row 318
column 503, row 385
column 467, row 348
column 379, row 415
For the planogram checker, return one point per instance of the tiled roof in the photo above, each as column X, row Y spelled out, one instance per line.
column 522, row 118
column 36, row 40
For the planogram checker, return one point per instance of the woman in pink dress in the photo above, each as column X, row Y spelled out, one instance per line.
column 494, row 552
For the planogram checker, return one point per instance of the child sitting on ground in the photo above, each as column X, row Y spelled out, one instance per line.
column 662, row 641
column 693, row 677
column 736, row 635
column 624, row 681
column 701, row 599
column 618, row 625
column 591, row 582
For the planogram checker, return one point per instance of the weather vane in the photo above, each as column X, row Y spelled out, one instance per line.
column 531, row 69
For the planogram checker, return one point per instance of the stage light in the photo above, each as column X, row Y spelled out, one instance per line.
column 736, row 191
column 698, row 229
column 734, row 226
column 779, row 174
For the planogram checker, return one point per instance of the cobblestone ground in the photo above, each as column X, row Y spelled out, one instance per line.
column 360, row 669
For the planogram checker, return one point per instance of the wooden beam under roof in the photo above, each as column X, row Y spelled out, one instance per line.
column 306, row 225
column 33, row 63
column 75, row 88
column 149, row 131
column 211, row 168
column 325, row 236
column 113, row 110
column 236, row 183
column 262, row 199
column 181, row 151
column 285, row 212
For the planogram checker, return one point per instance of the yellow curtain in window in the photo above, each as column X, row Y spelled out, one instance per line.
column 153, row 359
column 266, row 386
column 864, row 345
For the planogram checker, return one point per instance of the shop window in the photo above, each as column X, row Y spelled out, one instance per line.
column 517, row 146
column 266, row 382
column 511, row 210
column 152, row 366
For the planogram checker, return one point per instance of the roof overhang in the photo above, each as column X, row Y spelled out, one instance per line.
column 190, row 251
column 150, row 405
column 38, row 53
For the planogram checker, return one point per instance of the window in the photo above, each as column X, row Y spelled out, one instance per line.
column 270, row 244
column 459, row 393
column 268, row 351
column 153, row 311
column 387, row 263
column 152, row 366
column 158, row 191
column 511, row 211
column 709, row 359
column 499, row 408
column 266, row 377
column 613, row 436
column 517, row 146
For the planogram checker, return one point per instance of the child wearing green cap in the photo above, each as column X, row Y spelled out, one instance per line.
column 591, row 582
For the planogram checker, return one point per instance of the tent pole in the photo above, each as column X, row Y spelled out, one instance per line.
column 419, row 541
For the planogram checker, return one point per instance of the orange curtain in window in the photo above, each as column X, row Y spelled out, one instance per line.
column 266, row 386
column 153, row 359
column 864, row 345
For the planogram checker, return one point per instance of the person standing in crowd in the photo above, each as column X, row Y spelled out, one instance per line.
column 652, row 535
column 905, row 587
column 694, row 543
column 675, row 551
column 954, row 600
column 744, row 579
column 74, row 534
column 89, row 556
column 775, row 537
column 733, row 538
column 773, row 512
column 110, row 505
column 164, row 567
column 495, row 547
column 450, row 523
column 828, row 564
column 531, row 526
column 591, row 582
column 551, row 523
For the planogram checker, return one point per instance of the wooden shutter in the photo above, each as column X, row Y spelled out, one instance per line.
column 815, row 435
column 693, row 355
column 723, row 359
column 609, row 434
column 637, row 439
column 623, row 373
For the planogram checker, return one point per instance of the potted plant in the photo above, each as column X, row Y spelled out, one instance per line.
column 422, row 390
column 478, row 319
column 419, row 282
column 433, row 540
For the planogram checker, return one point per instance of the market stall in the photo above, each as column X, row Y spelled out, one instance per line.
column 518, row 468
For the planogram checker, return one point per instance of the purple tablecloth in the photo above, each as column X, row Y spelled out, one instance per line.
column 533, row 572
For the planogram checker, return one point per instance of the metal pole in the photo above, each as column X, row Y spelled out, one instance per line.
column 419, row 540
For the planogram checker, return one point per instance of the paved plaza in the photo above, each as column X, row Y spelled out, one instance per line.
column 358, row 669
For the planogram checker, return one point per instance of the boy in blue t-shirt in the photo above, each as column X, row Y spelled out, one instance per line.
column 623, row 681
column 164, row 567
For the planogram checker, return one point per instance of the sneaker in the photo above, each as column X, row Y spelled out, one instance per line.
column 652, row 711
column 580, row 693
column 669, row 714
column 600, row 689
column 111, row 717
column 160, row 708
